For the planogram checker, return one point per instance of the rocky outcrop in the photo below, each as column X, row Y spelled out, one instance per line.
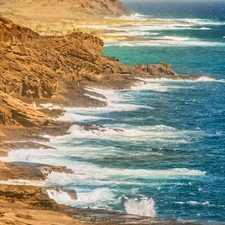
column 40, row 67
column 158, row 70
column 56, row 69
column 33, row 196
column 161, row 69
column 16, row 112
column 11, row 171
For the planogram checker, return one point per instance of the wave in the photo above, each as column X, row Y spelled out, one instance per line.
column 90, row 172
column 194, row 21
column 131, row 33
column 166, row 42
column 205, row 28
column 144, row 207
column 134, row 16
column 165, row 80
column 95, row 196
column 203, row 22
column 60, row 196
column 128, row 133
column 99, row 196
column 193, row 203
column 150, row 86
column 205, row 78
column 72, row 116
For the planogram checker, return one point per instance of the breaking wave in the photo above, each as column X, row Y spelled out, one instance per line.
column 144, row 207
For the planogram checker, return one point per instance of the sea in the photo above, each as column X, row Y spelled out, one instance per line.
column 159, row 149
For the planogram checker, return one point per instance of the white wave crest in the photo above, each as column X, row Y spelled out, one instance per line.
column 150, row 86
column 97, row 195
column 144, row 207
column 203, row 22
column 205, row 78
column 175, row 41
column 155, row 133
column 205, row 28
column 193, row 203
column 135, row 16
column 60, row 196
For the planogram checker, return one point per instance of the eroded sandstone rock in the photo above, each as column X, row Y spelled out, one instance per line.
column 33, row 196
column 16, row 112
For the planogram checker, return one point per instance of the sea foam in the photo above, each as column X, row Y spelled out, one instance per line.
column 61, row 197
column 144, row 207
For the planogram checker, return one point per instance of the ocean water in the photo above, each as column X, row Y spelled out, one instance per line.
column 162, row 151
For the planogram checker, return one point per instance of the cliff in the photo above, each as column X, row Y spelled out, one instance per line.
column 65, row 8
column 33, row 67
column 56, row 69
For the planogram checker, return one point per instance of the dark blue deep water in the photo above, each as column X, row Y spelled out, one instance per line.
column 168, row 157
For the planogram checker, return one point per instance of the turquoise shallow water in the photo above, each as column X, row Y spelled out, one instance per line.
column 168, row 158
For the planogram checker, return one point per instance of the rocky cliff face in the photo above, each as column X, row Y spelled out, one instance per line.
column 37, row 67
column 66, row 7
column 32, row 65
column 57, row 68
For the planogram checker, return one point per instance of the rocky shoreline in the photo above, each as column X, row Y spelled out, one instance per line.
column 36, row 71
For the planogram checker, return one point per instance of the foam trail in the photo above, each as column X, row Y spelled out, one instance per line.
column 150, row 86
column 144, row 207
column 200, row 79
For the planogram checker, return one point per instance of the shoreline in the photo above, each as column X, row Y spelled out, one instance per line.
column 95, row 216
column 11, row 138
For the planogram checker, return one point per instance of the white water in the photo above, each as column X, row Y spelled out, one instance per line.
column 60, row 196
column 175, row 41
column 144, row 207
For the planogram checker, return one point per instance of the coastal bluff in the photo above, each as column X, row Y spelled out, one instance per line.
column 57, row 70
